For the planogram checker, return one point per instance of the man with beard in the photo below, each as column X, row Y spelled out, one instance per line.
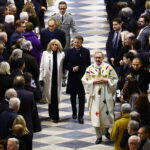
column 144, row 30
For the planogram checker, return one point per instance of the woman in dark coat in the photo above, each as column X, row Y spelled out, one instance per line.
column 32, row 37
column 5, row 79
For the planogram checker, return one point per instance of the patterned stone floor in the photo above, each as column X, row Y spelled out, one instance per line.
column 91, row 21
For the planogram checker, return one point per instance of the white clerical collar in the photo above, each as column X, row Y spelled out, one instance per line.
column 98, row 66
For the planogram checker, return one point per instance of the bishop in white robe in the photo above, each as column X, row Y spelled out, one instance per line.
column 100, row 81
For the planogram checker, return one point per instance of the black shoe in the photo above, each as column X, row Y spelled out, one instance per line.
column 81, row 121
column 107, row 135
column 98, row 141
column 74, row 116
column 55, row 121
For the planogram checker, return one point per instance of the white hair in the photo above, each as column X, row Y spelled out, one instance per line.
column 127, row 10
column 15, row 141
column 131, row 35
column 24, row 16
column 9, row 18
column 134, row 137
column 16, row 53
column 125, row 108
column 10, row 93
column 26, row 45
column 14, row 103
column 134, row 125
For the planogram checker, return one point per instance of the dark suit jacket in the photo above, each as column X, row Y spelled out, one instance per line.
column 26, row 106
column 14, row 37
column 6, row 120
column 5, row 83
column 31, row 64
column 74, row 58
column 35, row 115
column 111, row 52
column 4, row 105
column 47, row 36
column 15, row 73
column 143, row 37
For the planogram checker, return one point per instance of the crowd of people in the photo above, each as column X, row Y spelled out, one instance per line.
column 35, row 62
column 127, row 50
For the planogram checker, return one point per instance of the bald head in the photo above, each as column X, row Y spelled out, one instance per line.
column 52, row 25
column 19, row 82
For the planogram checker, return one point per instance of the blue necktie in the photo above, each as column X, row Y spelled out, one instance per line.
column 116, row 40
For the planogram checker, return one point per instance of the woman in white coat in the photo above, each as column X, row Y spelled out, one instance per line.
column 51, row 68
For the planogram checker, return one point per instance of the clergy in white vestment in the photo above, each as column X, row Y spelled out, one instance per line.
column 100, row 81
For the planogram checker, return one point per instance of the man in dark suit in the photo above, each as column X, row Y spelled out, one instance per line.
column 10, row 93
column 42, row 13
column 76, row 61
column 20, row 28
column 52, row 33
column 26, row 106
column 8, row 116
column 114, row 42
column 143, row 36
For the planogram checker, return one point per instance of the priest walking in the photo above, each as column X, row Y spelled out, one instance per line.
column 100, row 82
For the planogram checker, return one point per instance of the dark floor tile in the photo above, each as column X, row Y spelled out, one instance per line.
column 75, row 144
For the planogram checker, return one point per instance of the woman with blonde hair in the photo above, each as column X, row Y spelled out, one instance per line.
column 51, row 69
column 29, row 8
column 20, row 132
column 5, row 79
column 20, row 120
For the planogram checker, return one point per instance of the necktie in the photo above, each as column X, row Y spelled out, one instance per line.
column 116, row 40
column 62, row 18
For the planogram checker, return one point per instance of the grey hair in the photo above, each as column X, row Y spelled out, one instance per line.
column 134, row 125
column 26, row 45
column 24, row 15
column 134, row 137
column 14, row 103
column 127, row 10
column 3, row 35
column 16, row 53
column 135, row 116
column 10, row 93
column 131, row 36
column 125, row 108
column 16, row 142
column 97, row 52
